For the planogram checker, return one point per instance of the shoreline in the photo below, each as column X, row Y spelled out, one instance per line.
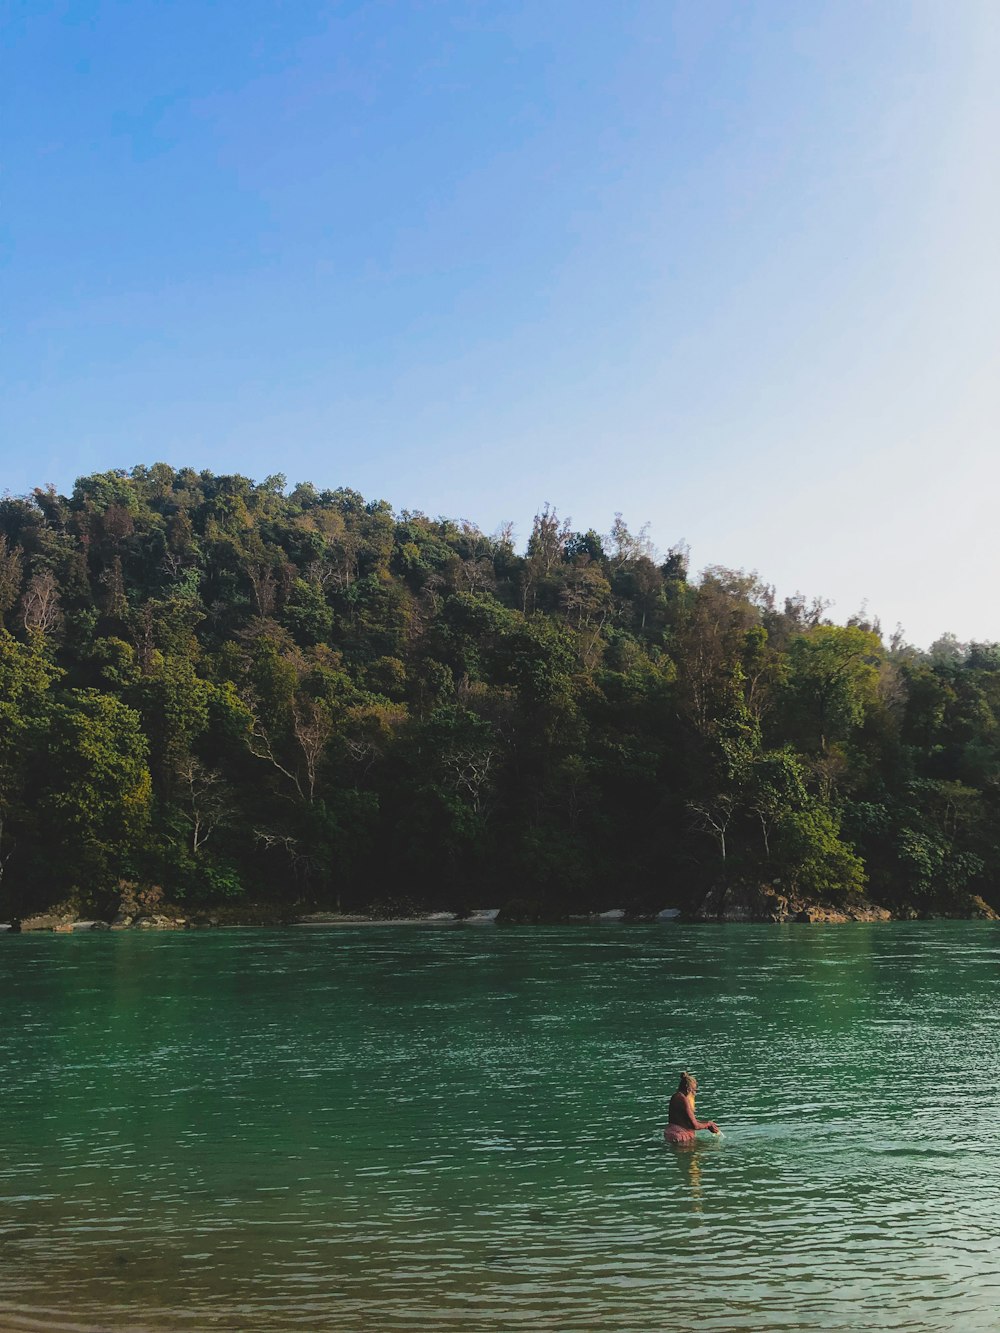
column 150, row 908
column 334, row 921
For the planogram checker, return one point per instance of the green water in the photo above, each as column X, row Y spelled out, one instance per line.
column 460, row 1128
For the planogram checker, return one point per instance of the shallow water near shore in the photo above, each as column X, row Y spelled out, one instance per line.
column 462, row 1129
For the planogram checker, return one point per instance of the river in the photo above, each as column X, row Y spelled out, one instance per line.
column 461, row 1128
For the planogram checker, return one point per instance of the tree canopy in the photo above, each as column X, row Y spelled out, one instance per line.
column 234, row 689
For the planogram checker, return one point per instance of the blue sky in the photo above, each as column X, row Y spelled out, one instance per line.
column 730, row 268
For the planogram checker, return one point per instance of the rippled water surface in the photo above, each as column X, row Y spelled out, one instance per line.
column 389, row 1128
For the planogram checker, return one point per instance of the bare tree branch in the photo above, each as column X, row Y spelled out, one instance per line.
column 714, row 817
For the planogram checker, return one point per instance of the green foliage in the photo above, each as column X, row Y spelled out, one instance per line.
column 26, row 676
column 232, row 688
column 832, row 678
column 812, row 859
column 219, row 883
column 93, row 796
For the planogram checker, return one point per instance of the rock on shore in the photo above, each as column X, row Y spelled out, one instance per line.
column 148, row 909
column 60, row 917
column 752, row 903
column 765, row 903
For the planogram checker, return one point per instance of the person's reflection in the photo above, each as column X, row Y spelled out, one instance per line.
column 686, row 1156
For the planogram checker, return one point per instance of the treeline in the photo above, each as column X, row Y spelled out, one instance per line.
column 238, row 692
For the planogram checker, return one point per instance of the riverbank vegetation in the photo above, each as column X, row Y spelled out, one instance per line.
column 239, row 692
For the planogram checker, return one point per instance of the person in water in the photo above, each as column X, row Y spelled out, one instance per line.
column 682, row 1121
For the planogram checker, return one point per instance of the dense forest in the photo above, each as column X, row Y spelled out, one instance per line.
column 245, row 693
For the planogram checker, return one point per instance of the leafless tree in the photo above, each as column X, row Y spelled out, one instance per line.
column 478, row 574
column 710, row 636
column 546, row 548
column 113, row 579
column 40, row 607
column 626, row 546
column 143, row 637
column 548, row 539
column 345, row 553
column 470, row 770
column 590, row 643
column 322, row 572
column 432, row 594
column 116, row 523
column 502, row 543
column 806, row 615
column 714, row 817
column 587, row 594
column 172, row 564
column 647, row 582
column 303, row 864
column 272, row 841
column 312, row 726
column 206, row 800
column 369, row 732
column 768, row 815
column 261, row 746
column 264, row 585
column 892, row 685
column 827, row 769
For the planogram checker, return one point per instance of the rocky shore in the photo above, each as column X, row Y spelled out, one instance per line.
column 150, row 910
column 765, row 904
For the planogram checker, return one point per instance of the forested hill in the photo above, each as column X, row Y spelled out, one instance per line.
column 241, row 693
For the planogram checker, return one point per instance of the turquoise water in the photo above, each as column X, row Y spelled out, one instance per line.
column 387, row 1128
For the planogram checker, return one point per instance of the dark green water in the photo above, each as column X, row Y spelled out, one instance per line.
column 387, row 1128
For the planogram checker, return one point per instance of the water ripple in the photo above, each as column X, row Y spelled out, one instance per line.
column 396, row 1130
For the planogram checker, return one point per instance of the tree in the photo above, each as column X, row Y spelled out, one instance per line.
column 546, row 551
column 713, row 816
column 776, row 787
column 219, row 686
column 96, row 787
column 40, row 605
column 25, row 680
column 813, row 860
column 832, row 677
column 627, row 546
column 206, row 801
column 11, row 574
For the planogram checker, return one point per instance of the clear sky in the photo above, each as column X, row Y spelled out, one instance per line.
column 728, row 266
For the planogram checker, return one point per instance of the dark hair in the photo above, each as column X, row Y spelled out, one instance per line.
column 686, row 1084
